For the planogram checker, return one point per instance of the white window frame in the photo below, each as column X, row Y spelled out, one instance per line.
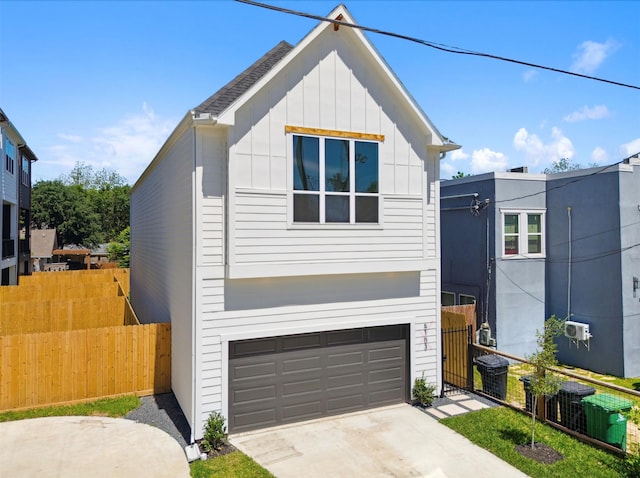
column 322, row 193
column 523, row 233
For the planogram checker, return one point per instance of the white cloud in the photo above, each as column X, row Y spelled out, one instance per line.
column 447, row 170
column 484, row 160
column 632, row 147
column 126, row 147
column 599, row 156
column 591, row 54
column 586, row 113
column 529, row 75
column 457, row 155
column 537, row 152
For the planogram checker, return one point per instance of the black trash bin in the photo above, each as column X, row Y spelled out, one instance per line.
column 551, row 400
column 572, row 413
column 493, row 371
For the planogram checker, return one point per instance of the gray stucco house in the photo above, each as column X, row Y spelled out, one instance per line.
column 526, row 246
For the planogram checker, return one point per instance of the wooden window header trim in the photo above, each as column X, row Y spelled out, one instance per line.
column 333, row 133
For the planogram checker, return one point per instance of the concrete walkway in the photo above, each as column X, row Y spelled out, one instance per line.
column 75, row 447
column 396, row 441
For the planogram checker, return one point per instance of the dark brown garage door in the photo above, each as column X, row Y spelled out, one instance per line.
column 279, row 380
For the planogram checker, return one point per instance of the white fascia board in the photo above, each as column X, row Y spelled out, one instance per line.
column 227, row 117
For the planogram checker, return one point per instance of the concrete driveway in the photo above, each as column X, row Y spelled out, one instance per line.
column 99, row 447
column 398, row 441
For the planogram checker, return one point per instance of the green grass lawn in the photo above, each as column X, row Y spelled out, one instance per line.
column 107, row 407
column 499, row 430
column 233, row 465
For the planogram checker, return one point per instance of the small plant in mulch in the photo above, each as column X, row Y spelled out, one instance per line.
column 423, row 392
column 214, row 440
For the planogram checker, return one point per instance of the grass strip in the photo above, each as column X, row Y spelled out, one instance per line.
column 499, row 430
column 106, row 407
column 233, row 465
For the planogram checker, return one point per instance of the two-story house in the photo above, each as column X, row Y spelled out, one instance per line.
column 288, row 229
column 526, row 246
column 15, row 190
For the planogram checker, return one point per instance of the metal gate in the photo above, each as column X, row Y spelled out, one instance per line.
column 457, row 372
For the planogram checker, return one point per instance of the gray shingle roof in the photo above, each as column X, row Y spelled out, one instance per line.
column 226, row 95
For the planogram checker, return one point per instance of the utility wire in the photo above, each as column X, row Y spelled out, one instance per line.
column 437, row 46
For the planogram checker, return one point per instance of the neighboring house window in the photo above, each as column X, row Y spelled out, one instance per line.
column 25, row 171
column 523, row 233
column 467, row 299
column 447, row 298
column 335, row 180
column 9, row 155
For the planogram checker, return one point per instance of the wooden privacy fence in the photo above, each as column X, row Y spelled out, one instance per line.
column 455, row 350
column 59, row 315
column 60, row 367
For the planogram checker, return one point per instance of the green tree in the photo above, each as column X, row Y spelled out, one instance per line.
column 119, row 249
column 561, row 166
column 460, row 174
column 542, row 382
column 68, row 210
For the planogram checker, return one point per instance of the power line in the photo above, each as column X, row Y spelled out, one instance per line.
column 437, row 46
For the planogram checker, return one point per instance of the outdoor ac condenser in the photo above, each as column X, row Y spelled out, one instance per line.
column 576, row 330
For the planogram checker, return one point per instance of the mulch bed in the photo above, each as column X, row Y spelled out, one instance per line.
column 540, row 453
column 225, row 450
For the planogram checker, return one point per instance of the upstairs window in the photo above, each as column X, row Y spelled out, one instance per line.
column 523, row 233
column 335, row 180
column 25, row 171
column 9, row 155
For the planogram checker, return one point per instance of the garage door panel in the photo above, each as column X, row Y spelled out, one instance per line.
column 249, row 395
column 345, row 359
column 305, row 364
column 253, row 371
column 284, row 387
column 302, row 411
column 344, row 380
column 346, row 403
column 385, row 353
column 253, row 419
column 302, row 386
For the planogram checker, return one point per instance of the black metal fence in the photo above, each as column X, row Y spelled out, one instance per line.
column 590, row 409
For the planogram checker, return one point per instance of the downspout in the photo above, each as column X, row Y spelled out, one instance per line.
column 194, row 312
column 569, row 268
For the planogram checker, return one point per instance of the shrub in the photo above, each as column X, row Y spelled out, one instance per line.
column 423, row 392
column 215, row 433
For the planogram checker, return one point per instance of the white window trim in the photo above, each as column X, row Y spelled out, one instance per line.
column 523, row 234
column 322, row 224
column 460, row 296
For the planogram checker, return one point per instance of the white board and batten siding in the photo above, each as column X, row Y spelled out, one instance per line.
column 333, row 86
column 162, row 253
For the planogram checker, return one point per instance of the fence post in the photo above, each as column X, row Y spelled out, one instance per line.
column 470, row 358
column 542, row 399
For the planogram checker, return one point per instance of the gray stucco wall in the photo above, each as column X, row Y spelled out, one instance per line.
column 520, row 281
column 595, row 267
column 630, row 265
column 517, row 290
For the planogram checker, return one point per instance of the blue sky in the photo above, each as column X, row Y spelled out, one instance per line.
column 106, row 82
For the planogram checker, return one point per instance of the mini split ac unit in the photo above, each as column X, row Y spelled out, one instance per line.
column 576, row 330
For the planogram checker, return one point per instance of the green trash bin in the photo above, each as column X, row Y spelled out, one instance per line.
column 604, row 420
